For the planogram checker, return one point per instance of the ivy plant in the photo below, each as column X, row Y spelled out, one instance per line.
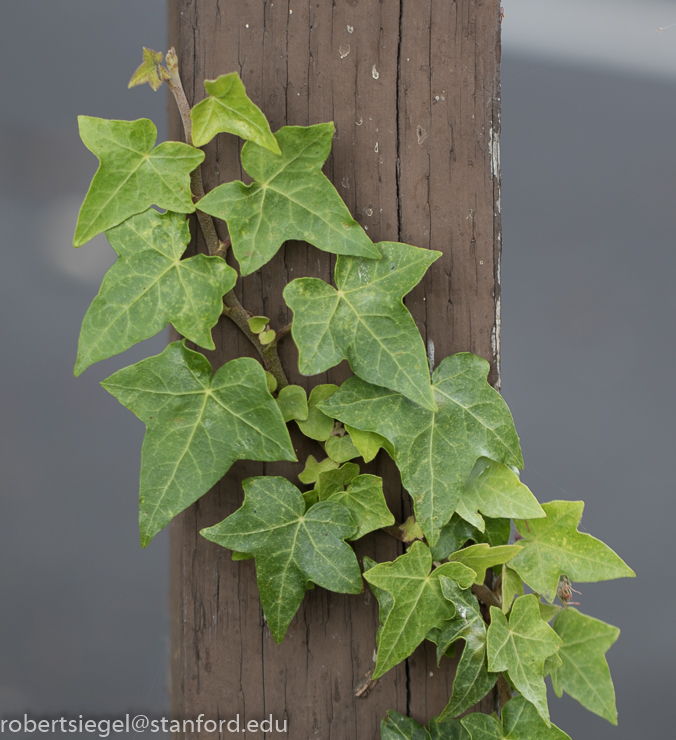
column 482, row 561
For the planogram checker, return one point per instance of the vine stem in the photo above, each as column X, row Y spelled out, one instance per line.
column 232, row 308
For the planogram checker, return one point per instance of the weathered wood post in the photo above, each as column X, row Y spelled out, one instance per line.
column 414, row 89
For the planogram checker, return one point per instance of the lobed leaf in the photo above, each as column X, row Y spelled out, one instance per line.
column 482, row 556
column 228, row 109
column 435, row 451
column 150, row 70
column 132, row 175
column 368, row 443
column 197, row 426
column 512, row 587
column 150, row 286
column 314, row 469
column 290, row 198
column 291, row 546
column 520, row 721
column 396, row 726
column 553, row 547
column 318, row 425
column 364, row 321
column 341, row 449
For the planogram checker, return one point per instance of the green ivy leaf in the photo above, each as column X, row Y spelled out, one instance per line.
column 291, row 546
column 150, row 286
column 415, row 603
column 498, row 532
column 584, row 672
column 520, row 721
column 292, row 402
column 435, row 452
column 132, row 175
column 482, row 556
column 368, row 443
column 314, row 469
column 332, row 481
column 452, row 537
column 553, row 547
column 472, row 680
column 512, row 586
column 265, row 337
column 548, row 612
column 290, row 198
column 197, row 426
column 318, row 425
column 396, row 726
column 150, row 70
column 228, row 109
column 271, row 381
column 411, row 531
column 257, row 324
column 521, row 647
column 447, row 729
column 363, row 498
column 365, row 321
column 341, row 449
column 495, row 490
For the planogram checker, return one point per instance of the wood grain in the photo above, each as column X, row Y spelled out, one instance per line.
column 413, row 88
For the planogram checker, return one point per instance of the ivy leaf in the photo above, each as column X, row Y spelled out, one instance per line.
column 368, row 443
column 411, row 531
column 228, row 109
column 318, row 425
column 396, row 726
column 512, row 586
column 150, row 70
column 291, row 546
column 292, row 402
column 435, row 452
column 482, row 556
column 365, row 321
column 290, row 198
column 332, row 481
column 415, row 602
column 521, row 647
column 150, row 286
column 257, row 324
column 472, row 680
column 365, row 501
column 553, row 547
column 495, row 490
column 452, row 537
column 314, row 469
column 584, row 672
column 197, row 426
column 132, row 175
column 341, row 449
column 447, row 729
column 520, row 721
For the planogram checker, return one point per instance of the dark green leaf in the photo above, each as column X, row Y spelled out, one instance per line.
column 228, row 109
column 197, row 426
column 290, row 198
column 435, row 452
column 447, row 729
column 452, row 537
column 396, row 726
column 365, row 321
column 520, row 721
column 150, row 286
column 553, row 547
column 132, row 176
column 291, row 546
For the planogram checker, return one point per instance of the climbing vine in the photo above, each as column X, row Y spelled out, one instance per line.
column 484, row 561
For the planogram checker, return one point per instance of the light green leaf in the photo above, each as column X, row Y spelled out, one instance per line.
column 435, row 452
column 482, row 556
column 150, row 286
column 520, row 721
column 341, row 449
column 472, row 680
column 521, row 647
column 364, row 500
column 313, row 469
column 318, row 425
column 396, row 726
column 271, row 381
column 228, row 109
column 410, row 530
column 548, row 612
column 553, row 547
column 197, row 426
column 496, row 491
column 584, row 672
column 368, row 443
column 237, row 556
column 332, row 481
column 512, row 586
column 150, row 70
column 365, row 321
column 291, row 546
column 132, row 175
column 292, row 402
column 415, row 603
column 265, row 337
column 257, row 324
column 290, row 198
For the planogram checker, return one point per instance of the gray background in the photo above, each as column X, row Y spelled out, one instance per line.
column 589, row 187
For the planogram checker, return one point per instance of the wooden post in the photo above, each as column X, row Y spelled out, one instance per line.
column 413, row 88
